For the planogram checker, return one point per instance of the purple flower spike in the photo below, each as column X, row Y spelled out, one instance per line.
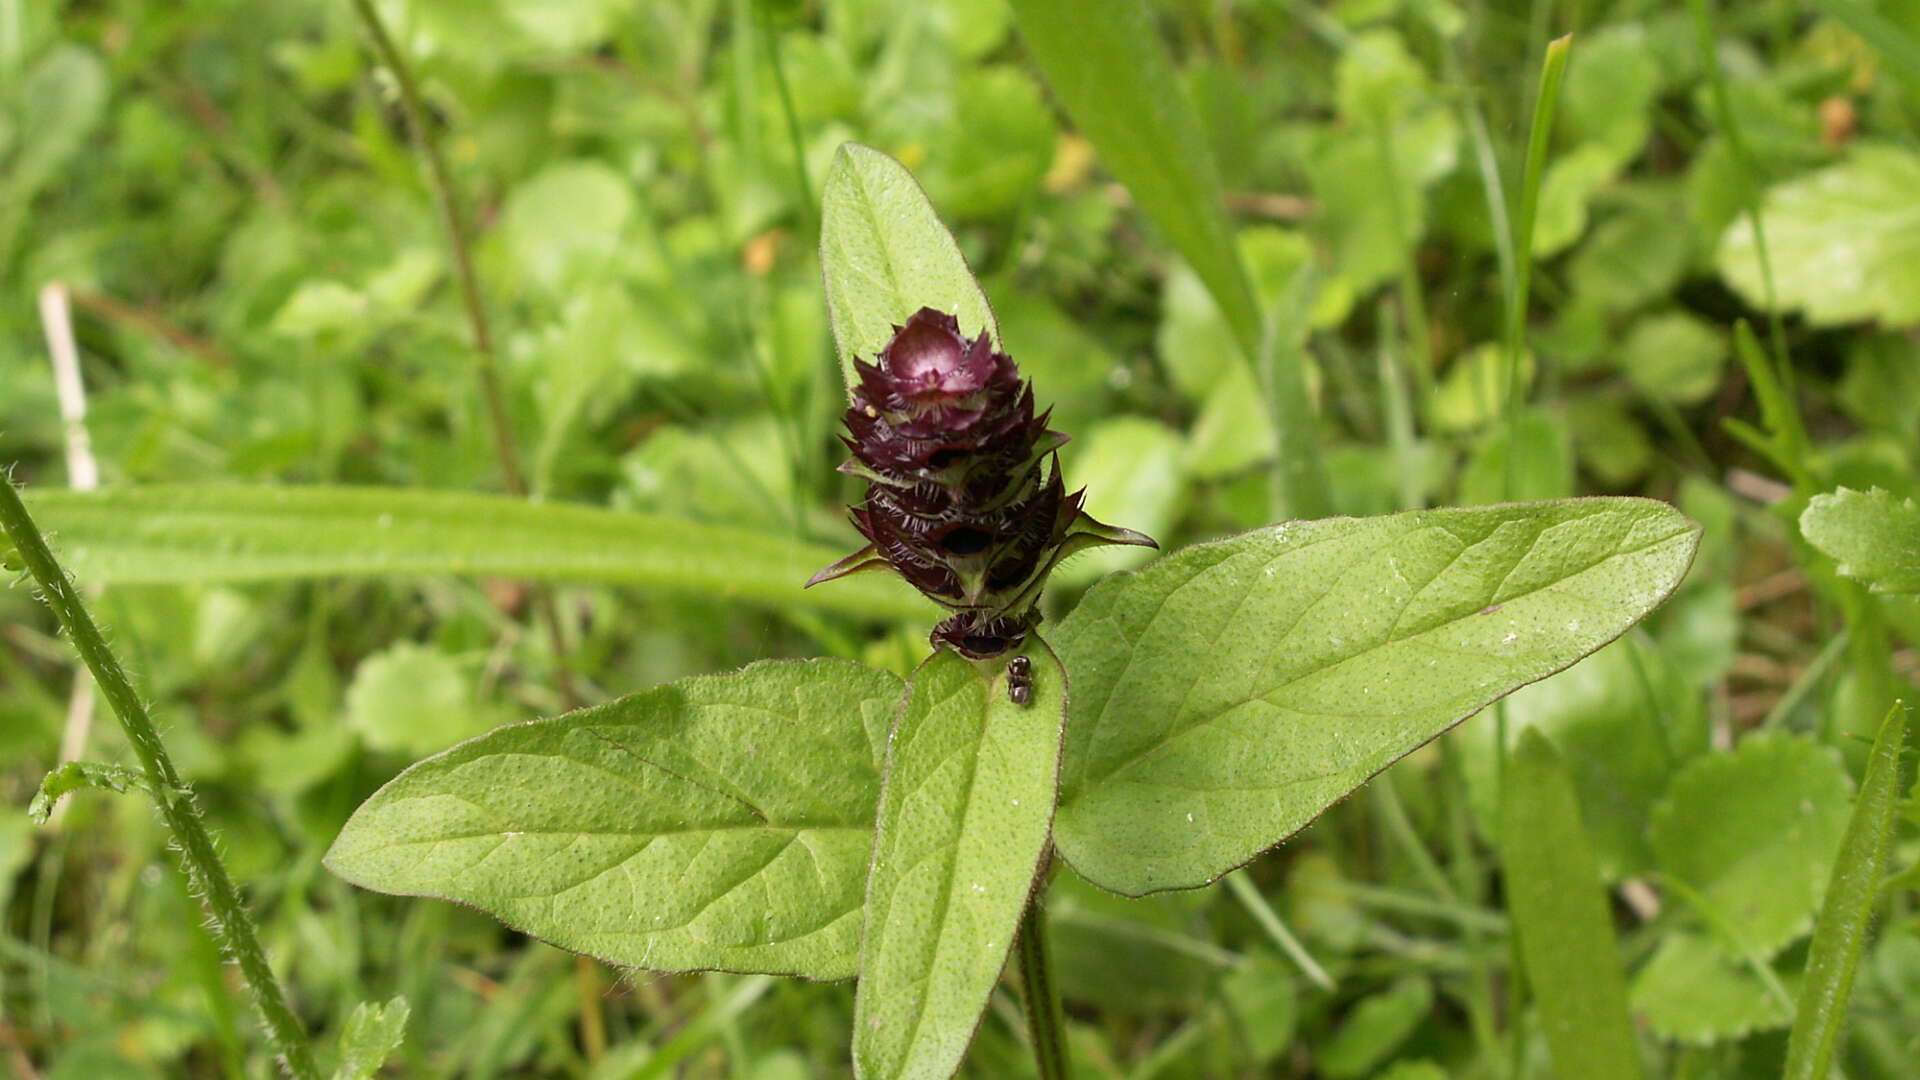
column 964, row 496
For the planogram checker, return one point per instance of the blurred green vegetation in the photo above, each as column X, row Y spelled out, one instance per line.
column 262, row 293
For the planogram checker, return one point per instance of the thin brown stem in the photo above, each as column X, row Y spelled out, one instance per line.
column 119, row 311
column 486, row 363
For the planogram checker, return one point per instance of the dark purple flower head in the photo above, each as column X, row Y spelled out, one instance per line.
column 964, row 496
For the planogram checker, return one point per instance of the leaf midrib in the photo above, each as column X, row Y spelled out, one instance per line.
column 952, row 846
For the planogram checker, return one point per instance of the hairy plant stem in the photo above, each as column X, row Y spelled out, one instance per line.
column 232, row 925
column 1044, row 1023
column 486, row 363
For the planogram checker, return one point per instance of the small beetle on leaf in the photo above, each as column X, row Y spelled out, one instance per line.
column 1020, row 680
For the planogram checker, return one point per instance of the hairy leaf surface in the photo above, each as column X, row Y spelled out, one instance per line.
column 885, row 255
column 961, row 831
column 1229, row 693
column 718, row 822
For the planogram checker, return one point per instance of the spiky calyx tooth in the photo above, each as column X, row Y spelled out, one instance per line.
column 964, row 494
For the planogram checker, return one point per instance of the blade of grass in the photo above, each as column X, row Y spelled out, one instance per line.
column 1269, row 920
column 1552, row 72
column 1841, row 935
column 1113, row 76
column 703, row 1028
column 232, row 923
column 1560, row 919
column 171, row 535
column 1785, row 438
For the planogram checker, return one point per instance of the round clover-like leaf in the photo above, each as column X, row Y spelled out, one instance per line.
column 1873, row 535
column 1229, row 693
column 1693, row 992
column 1844, row 241
column 1755, row 832
column 719, row 822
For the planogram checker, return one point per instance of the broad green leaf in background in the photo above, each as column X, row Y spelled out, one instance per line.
column 1841, row 937
column 371, row 1035
column 1113, row 77
column 1623, row 719
column 1473, row 392
column 961, row 832
column 63, row 97
column 1872, row 535
column 1560, row 914
column 1693, row 992
column 1612, row 81
column 718, row 822
column 1568, row 185
column 1755, row 831
column 885, row 255
column 1375, row 1028
column 565, row 221
column 413, row 699
column 1230, row 692
column 174, row 534
column 1633, row 257
column 1844, row 241
column 1370, row 174
column 1541, row 465
column 1130, row 466
column 1674, row 357
column 1414, row 1070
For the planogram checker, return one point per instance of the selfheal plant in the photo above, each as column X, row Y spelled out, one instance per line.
column 822, row 819
column 964, row 496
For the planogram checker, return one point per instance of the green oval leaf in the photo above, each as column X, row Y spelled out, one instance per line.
column 1843, row 242
column 1872, row 535
column 172, row 534
column 1560, row 913
column 720, row 822
column 1693, row 992
column 1755, row 832
column 1229, row 693
column 961, row 831
column 1842, row 934
column 885, row 255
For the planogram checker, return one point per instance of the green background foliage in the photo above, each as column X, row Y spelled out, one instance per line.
column 309, row 567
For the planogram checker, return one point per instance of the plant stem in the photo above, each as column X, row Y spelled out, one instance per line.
column 486, row 364
column 1249, row 896
column 1730, row 126
column 1538, row 140
column 1044, row 1023
column 208, row 875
